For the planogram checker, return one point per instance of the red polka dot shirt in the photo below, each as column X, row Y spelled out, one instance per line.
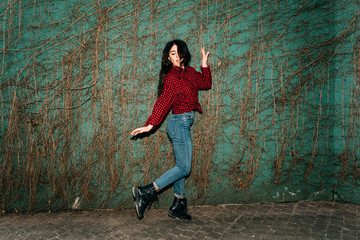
column 181, row 88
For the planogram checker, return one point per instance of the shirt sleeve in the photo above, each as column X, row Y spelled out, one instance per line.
column 204, row 79
column 163, row 103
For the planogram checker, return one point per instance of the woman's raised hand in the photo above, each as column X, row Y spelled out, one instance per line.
column 204, row 57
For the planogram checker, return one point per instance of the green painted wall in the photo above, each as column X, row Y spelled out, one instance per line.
column 281, row 122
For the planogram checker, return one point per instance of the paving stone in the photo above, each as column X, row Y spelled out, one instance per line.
column 300, row 220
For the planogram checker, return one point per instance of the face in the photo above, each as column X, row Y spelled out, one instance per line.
column 174, row 56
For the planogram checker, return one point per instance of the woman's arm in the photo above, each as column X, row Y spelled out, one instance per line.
column 203, row 80
column 161, row 108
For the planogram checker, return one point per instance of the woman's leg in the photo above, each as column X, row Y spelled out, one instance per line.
column 179, row 132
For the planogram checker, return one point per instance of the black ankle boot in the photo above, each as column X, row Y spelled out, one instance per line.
column 143, row 196
column 179, row 209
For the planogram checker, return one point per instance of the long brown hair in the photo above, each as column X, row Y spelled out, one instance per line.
column 166, row 64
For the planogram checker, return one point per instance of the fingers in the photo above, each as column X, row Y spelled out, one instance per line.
column 203, row 51
column 141, row 130
column 207, row 55
column 136, row 131
column 204, row 55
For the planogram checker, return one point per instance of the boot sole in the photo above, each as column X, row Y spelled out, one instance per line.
column 134, row 190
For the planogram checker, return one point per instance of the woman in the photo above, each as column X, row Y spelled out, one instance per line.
column 178, row 90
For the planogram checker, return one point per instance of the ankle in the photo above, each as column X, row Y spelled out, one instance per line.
column 179, row 196
column 156, row 187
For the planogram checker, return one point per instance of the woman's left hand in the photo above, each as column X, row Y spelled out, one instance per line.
column 204, row 57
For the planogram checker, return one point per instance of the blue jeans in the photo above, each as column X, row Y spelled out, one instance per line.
column 178, row 129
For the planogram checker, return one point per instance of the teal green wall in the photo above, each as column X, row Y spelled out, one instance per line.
column 279, row 124
column 345, row 103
